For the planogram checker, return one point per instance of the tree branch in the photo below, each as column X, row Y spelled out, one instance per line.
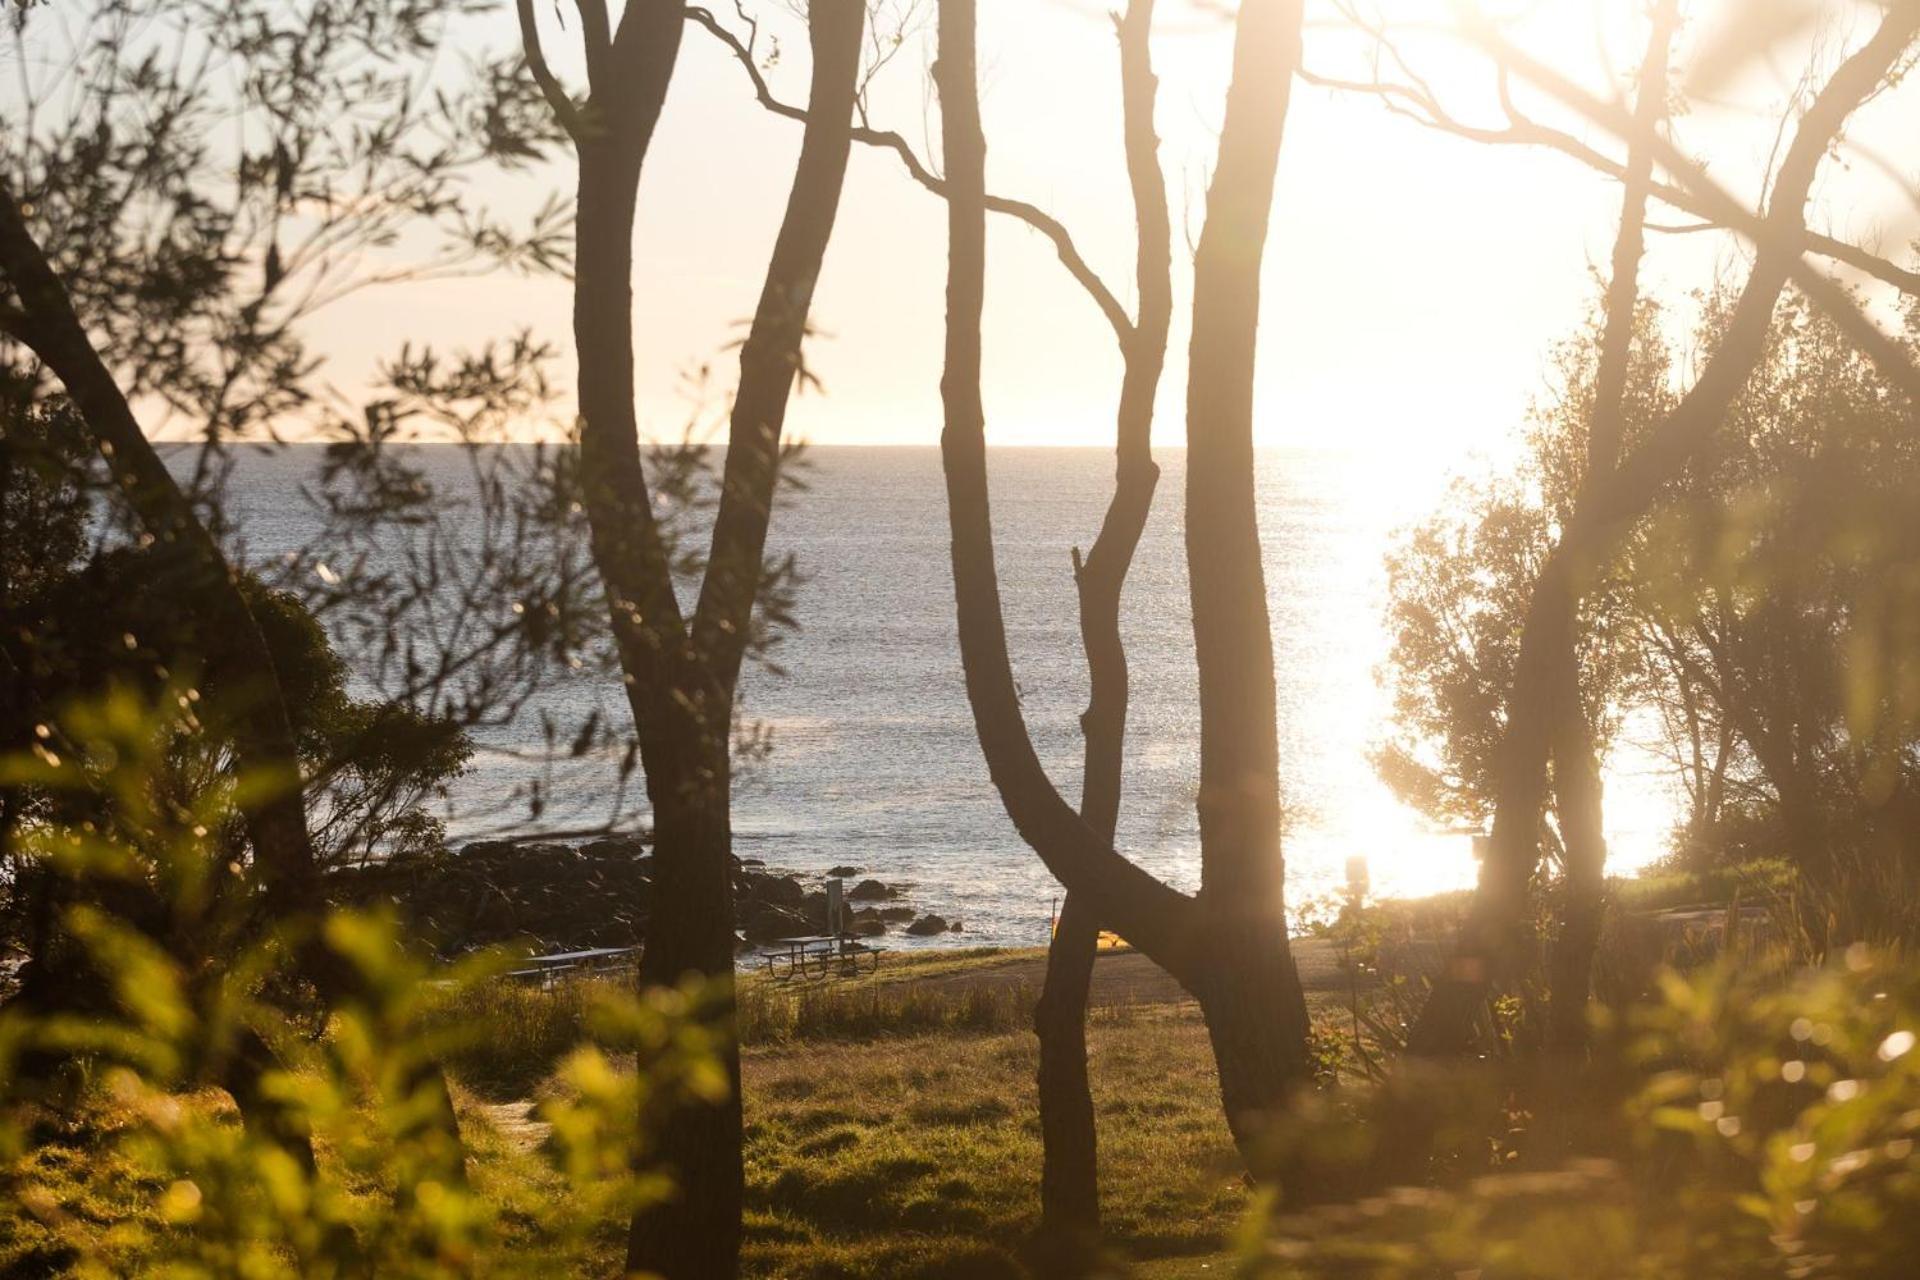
column 1858, row 79
column 550, row 86
column 888, row 140
column 598, row 36
column 1403, row 100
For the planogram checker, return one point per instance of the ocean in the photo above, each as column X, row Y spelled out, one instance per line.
column 874, row 763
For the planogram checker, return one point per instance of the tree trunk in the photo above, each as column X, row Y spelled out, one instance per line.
column 1256, row 1012
column 1069, row 1184
column 1578, row 800
column 1229, row 946
column 681, row 685
column 1069, row 1175
column 1152, row 916
column 1577, row 782
column 770, row 358
column 696, row 1232
column 263, row 744
column 1497, row 927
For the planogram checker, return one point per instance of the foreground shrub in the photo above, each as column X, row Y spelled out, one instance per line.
column 117, row 1153
column 1766, row 1126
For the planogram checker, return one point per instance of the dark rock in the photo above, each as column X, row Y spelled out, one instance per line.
column 956, row 927
column 843, row 873
column 765, row 921
column 871, row 891
column 552, row 897
column 869, row 928
column 896, row 915
column 785, row 890
column 629, row 848
column 926, row 926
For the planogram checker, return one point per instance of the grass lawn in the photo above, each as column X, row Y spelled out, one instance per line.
column 918, row 1155
column 892, row 1130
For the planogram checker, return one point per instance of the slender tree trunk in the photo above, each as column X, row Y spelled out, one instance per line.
column 1577, row 782
column 1229, row 946
column 1069, row 1174
column 1496, row 933
column 1578, row 800
column 695, row 1233
column 1069, row 1184
column 1250, row 991
column 681, row 680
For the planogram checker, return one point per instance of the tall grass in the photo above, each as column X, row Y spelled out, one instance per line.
column 510, row 1037
column 770, row 1013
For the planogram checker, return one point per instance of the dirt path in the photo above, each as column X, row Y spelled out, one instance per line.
column 514, row 1122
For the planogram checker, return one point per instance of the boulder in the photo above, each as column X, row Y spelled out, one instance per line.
column 787, row 891
column 871, row 891
column 629, row 848
column 843, row 873
column 926, row 926
column 896, row 915
column 765, row 921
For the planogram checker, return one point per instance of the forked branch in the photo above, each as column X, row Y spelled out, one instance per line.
column 889, row 140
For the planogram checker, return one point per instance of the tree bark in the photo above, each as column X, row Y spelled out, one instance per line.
column 1230, row 952
column 1578, row 787
column 696, row 1232
column 681, row 680
column 1069, row 1184
column 1578, row 798
column 1495, row 934
column 1256, row 1013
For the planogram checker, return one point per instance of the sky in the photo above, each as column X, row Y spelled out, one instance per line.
column 1413, row 281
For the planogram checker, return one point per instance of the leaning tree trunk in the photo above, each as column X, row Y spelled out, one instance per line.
column 264, row 748
column 1229, row 946
column 1578, row 789
column 1496, row 933
column 1249, row 989
column 1069, row 1182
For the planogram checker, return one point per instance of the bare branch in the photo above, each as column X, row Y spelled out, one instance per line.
column 1772, row 230
column 886, row 139
column 1521, row 130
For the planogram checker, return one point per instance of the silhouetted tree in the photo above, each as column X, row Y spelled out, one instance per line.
column 1069, row 1183
column 1069, row 1187
column 149, row 258
column 1495, row 935
column 1228, row 944
column 681, row 671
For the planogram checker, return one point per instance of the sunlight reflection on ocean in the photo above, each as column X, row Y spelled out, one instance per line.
column 874, row 761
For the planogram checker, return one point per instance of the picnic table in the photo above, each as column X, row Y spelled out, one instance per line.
column 548, row 969
column 816, row 953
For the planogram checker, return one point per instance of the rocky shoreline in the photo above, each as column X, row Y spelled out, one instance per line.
column 562, row 897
